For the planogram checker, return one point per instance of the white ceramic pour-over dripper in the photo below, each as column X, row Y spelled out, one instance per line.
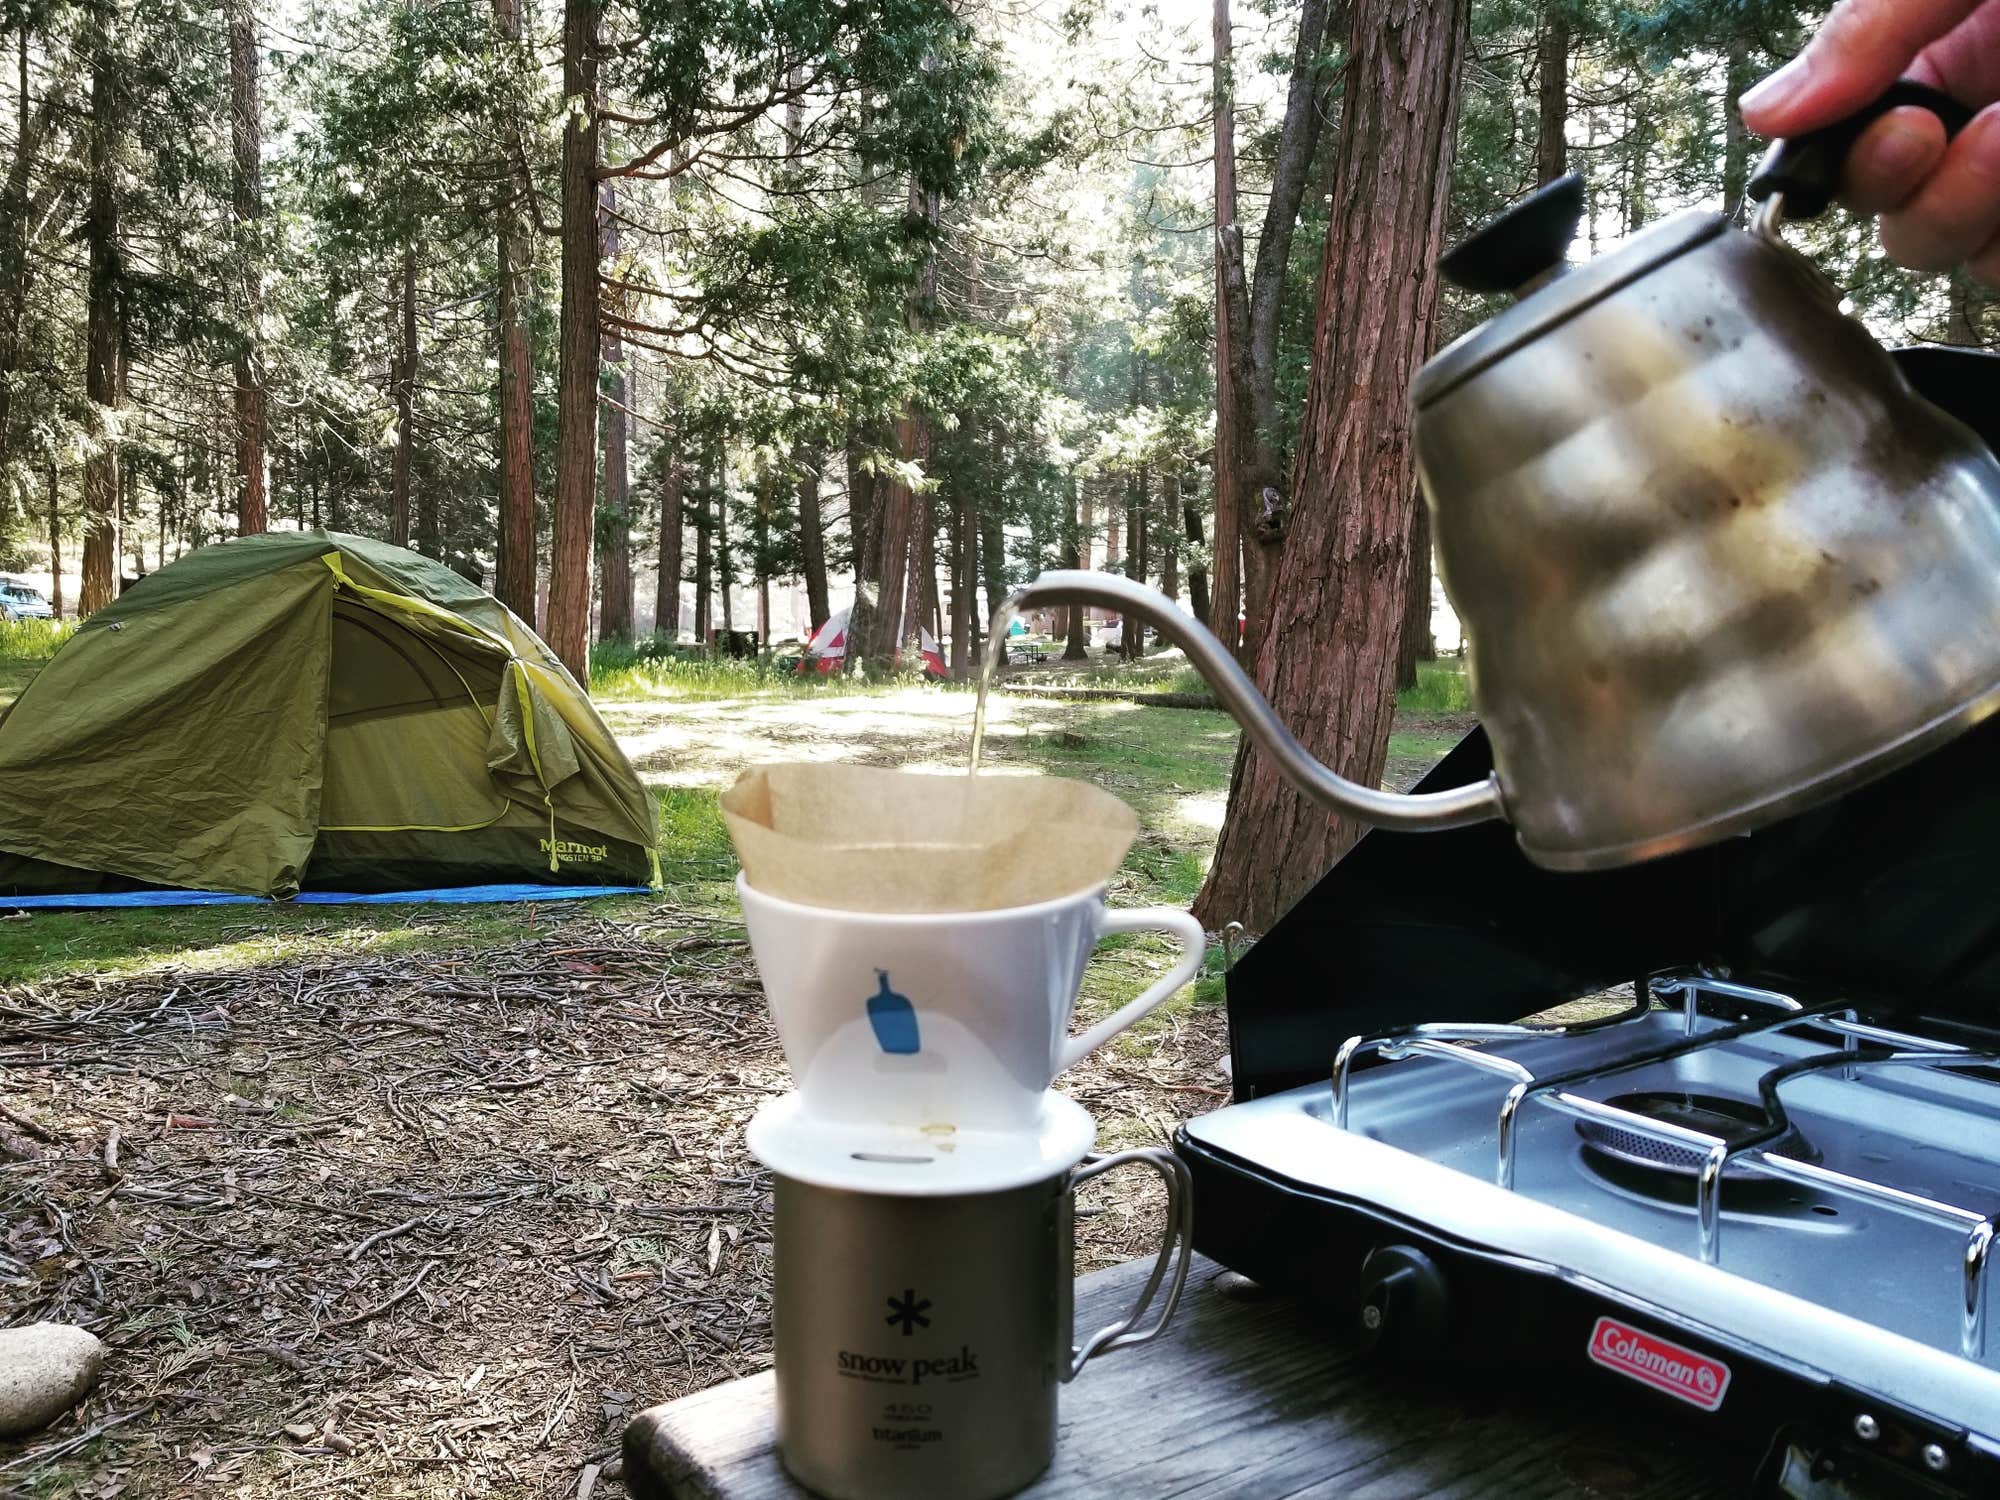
column 957, row 1019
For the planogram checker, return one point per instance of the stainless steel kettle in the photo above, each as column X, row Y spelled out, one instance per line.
column 1715, row 558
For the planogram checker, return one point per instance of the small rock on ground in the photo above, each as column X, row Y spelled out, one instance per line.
column 45, row 1369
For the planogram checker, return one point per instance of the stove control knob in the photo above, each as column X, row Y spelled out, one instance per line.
column 1405, row 1303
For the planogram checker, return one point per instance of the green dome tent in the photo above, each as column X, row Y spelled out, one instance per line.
column 318, row 711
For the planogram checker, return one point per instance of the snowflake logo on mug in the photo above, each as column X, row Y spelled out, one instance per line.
column 908, row 1310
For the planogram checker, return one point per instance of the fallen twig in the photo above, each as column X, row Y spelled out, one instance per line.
column 382, row 1307
column 34, row 1128
column 380, row 1235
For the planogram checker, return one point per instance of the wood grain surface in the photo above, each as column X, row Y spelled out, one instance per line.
column 1248, row 1397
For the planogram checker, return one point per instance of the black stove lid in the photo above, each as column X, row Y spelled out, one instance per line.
column 1891, row 893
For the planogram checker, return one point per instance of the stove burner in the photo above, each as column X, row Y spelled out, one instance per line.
column 1731, row 1120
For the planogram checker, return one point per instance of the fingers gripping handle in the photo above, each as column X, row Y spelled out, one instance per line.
column 1807, row 170
column 1170, row 1267
column 1175, row 923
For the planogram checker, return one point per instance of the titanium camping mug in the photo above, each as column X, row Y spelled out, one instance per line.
column 920, row 1340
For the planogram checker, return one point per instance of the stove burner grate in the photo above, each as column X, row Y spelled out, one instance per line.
column 1730, row 1120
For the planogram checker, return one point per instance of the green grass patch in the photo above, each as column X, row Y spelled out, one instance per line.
column 1440, row 686
column 34, row 640
column 24, row 646
column 1406, row 745
column 1440, row 689
column 621, row 671
column 1162, row 672
column 15, row 675
column 694, row 841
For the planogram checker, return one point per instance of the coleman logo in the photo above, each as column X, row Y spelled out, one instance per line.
column 1652, row 1360
column 564, row 849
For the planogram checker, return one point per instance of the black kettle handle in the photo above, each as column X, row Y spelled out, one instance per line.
column 1528, row 239
column 1807, row 169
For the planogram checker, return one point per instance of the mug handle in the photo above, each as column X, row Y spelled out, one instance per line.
column 1168, row 919
column 1175, row 1250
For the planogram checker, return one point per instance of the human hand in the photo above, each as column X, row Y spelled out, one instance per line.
column 1939, row 203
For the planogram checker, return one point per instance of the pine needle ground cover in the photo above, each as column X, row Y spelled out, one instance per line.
column 425, row 1201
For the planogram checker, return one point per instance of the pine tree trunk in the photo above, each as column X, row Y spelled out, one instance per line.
column 864, row 519
column 104, row 375
column 406, row 404
column 126, row 532
column 1198, row 599
column 920, row 601
column 667, row 595
column 893, row 505
column 972, row 550
column 812, row 534
column 861, row 491
column 760, row 547
column 1416, row 643
column 1132, row 638
column 812, row 545
column 704, row 599
column 903, row 519
column 1552, row 95
column 1170, row 557
column 723, row 574
column 247, row 202
column 1638, row 148
column 964, row 531
column 14, row 257
column 1327, row 662
column 1250, row 465
column 1076, row 629
column 1232, row 335
column 55, row 542
column 1737, row 77
column 568, row 625
column 614, row 622
column 992, row 563
column 515, row 583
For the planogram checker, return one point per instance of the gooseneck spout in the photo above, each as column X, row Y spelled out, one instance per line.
column 1428, row 812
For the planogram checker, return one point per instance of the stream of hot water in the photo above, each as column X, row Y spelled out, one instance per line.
column 996, row 651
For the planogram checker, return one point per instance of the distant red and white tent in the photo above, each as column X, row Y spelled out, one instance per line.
column 933, row 655
column 828, row 647
column 827, row 650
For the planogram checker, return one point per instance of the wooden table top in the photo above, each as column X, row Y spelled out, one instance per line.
column 1249, row 1397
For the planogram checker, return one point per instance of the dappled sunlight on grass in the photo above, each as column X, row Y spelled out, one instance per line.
column 1203, row 812
column 270, row 934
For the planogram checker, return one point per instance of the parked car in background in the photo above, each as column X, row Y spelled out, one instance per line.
column 20, row 601
column 1110, row 635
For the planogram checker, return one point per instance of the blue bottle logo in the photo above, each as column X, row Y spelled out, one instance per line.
column 893, row 1017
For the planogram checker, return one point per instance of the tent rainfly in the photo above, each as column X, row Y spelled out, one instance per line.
column 312, row 710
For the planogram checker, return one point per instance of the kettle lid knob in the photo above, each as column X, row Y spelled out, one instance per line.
column 1524, row 244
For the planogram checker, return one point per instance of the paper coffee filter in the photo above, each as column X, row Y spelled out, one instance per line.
column 859, row 838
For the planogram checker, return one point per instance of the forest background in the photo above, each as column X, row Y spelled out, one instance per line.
column 666, row 320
